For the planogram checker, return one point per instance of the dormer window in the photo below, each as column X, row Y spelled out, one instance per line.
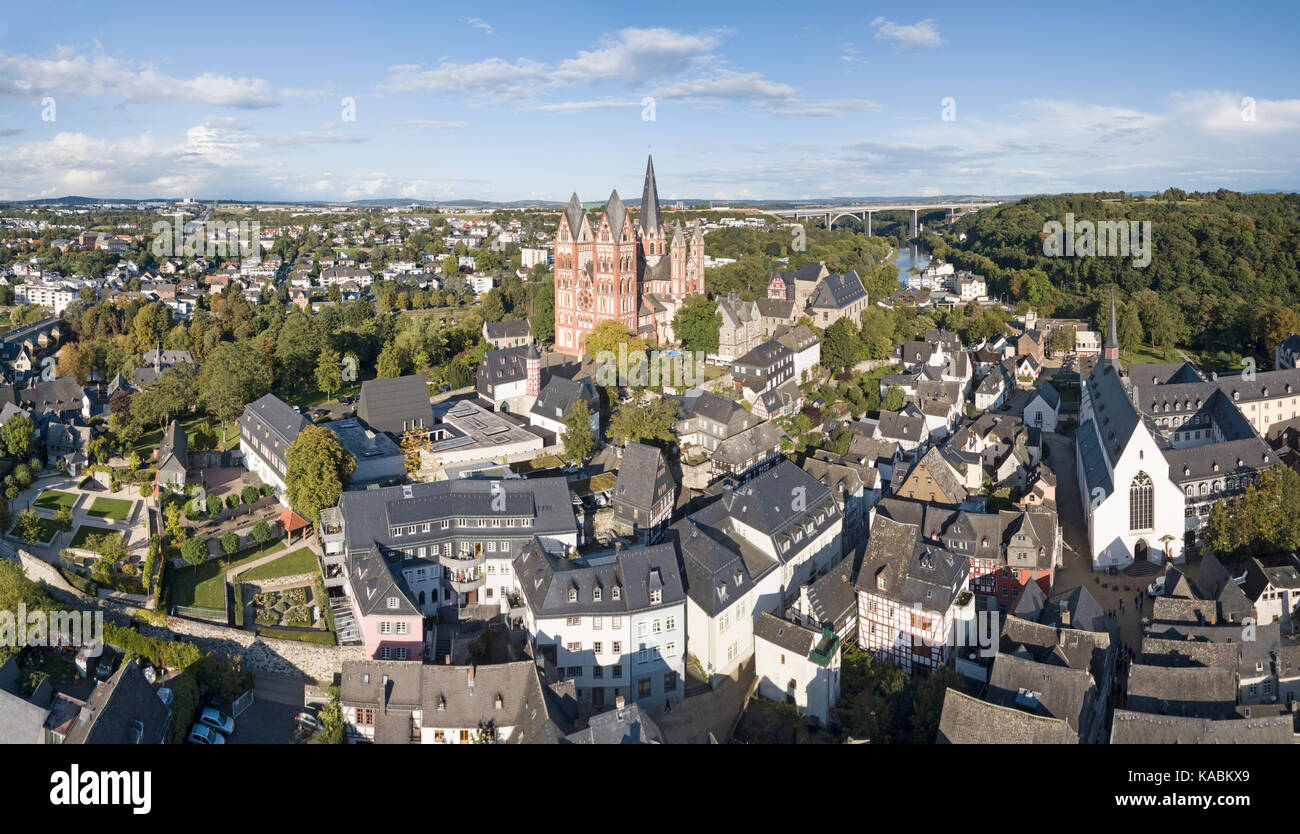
column 616, row 592
column 393, row 602
column 656, row 597
column 573, row 595
column 595, row 595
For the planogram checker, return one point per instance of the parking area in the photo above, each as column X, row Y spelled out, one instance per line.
column 266, row 722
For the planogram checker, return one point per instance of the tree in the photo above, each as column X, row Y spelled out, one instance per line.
column 29, row 527
column 647, row 420
column 390, row 363
column 194, row 551
column 697, row 323
column 230, row 542
column 840, row 345
column 261, row 532
column 333, row 728
column 329, row 371
column 578, row 441
column 63, row 520
column 297, row 346
column 893, row 400
column 1261, row 521
column 16, row 435
column 319, row 469
column 608, row 335
column 1130, row 329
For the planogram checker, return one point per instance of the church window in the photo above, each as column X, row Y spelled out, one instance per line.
column 1140, row 500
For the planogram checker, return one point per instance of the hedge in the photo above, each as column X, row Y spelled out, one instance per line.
column 81, row 583
column 175, row 655
column 325, row 637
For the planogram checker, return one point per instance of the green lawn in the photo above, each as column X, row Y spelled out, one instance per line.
column 53, row 499
column 204, row 586
column 1146, row 355
column 149, row 441
column 299, row 561
column 114, row 508
column 85, row 531
column 48, row 529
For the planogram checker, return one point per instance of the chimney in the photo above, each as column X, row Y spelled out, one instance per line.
column 471, row 677
column 620, row 702
column 1065, row 617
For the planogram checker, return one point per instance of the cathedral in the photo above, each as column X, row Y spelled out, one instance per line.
column 638, row 273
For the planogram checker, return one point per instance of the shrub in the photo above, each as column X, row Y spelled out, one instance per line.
column 267, row 618
column 299, row 616
column 267, row 489
column 323, row 637
column 249, row 494
column 214, row 505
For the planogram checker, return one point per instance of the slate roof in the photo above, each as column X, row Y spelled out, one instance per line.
column 546, row 580
column 1260, row 576
column 792, row 637
column 752, row 444
column 274, row 422
column 643, row 477
column 385, row 404
column 1214, row 582
column 58, row 394
column 559, row 395
column 1199, row 692
column 125, row 709
column 913, row 572
column 508, row 329
column 832, row 599
column 901, row 425
column 373, row 584
column 21, row 719
column 1142, row 728
column 710, row 406
column 1159, row 651
column 371, row 513
column 650, row 220
column 837, row 291
column 968, row 720
column 630, row 725
column 174, row 449
column 1053, row 690
column 1227, row 459
column 500, row 367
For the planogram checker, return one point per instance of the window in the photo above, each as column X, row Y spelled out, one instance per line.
column 572, row 621
column 596, row 647
column 403, row 628
column 1140, row 499
column 596, row 623
column 643, row 688
column 393, row 602
column 670, row 624
column 366, row 717
column 617, row 646
column 616, row 623
column 573, row 647
column 385, row 627
column 656, row 597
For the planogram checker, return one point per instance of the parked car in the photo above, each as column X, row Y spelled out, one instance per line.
column 1156, row 588
column 308, row 719
column 217, row 720
column 203, row 734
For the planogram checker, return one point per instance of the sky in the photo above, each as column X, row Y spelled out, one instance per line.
column 748, row 100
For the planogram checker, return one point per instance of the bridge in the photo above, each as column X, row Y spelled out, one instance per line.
column 863, row 212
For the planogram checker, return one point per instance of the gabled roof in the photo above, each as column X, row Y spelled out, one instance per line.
column 1143, row 728
column 125, row 709
column 556, row 586
column 968, row 720
column 643, row 477
column 630, row 725
column 386, row 404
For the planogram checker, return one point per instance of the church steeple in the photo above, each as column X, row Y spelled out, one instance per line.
column 650, row 219
column 1112, row 343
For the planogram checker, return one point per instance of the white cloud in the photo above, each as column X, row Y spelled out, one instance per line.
column 66, row 74
column 479, row 23
column 923, row 33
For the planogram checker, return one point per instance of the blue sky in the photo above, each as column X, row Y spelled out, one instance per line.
column 512, row 101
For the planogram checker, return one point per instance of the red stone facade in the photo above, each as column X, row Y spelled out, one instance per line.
column 623, row 271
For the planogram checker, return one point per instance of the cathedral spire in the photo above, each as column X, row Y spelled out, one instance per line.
column 650, row 220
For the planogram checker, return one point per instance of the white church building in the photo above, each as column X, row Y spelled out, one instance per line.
column 1152, row 458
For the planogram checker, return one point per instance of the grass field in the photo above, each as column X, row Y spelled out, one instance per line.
column 148, row 442
column 53, row 499
column 114, row 508
column 204, row 586
column 47, row 530
column 299, row 561
column 85, row 531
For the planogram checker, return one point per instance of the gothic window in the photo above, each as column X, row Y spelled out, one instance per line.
column 1140, row 499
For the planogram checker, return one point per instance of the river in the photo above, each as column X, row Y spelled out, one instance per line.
column 912, row 256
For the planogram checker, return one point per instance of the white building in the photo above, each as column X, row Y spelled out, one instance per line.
column 54, row 296
column 797, row 665
column 749, row 552
column 614, row 625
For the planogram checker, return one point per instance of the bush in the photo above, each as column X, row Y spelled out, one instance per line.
column 214, row 505
column 231, row 502
column 299, row 616
column 267, row 489
column 249, row 494
column 79, row 582
column 266, row 618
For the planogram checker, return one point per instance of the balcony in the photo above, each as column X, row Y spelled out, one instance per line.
column 463, row 581
column 461, row 561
